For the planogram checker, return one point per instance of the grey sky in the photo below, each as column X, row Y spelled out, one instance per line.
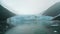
column 26, row 7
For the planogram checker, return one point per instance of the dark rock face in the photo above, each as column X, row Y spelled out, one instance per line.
column 4, row 14
column 53, row 10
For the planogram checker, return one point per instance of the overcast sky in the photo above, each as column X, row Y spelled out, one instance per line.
column 26, row 7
